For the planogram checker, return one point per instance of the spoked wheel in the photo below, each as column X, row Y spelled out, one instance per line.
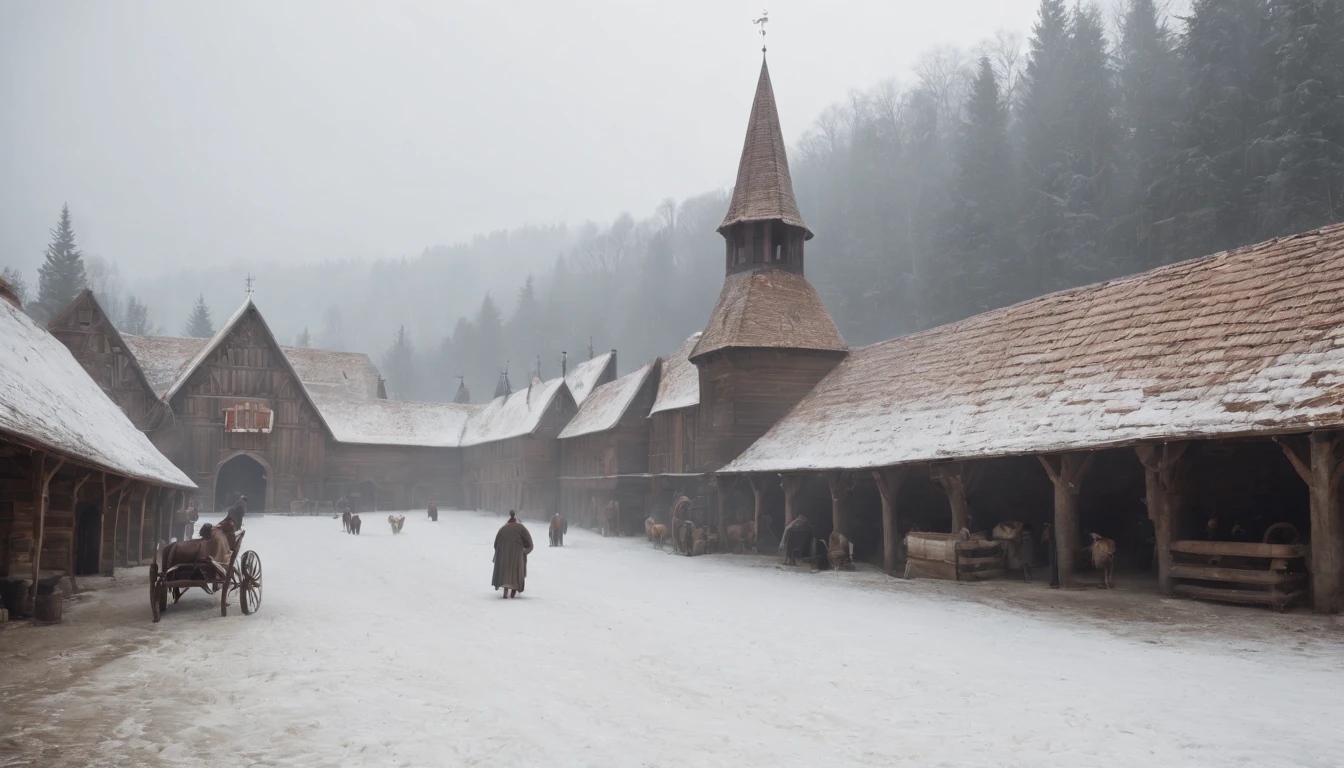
column 155, row 609
column 249, row 583
column 177, row 594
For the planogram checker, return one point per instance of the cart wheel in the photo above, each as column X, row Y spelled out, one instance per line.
column 154, row 608
column 249, row 587
column 177, row 594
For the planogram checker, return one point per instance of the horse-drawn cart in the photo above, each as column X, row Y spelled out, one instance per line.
column 193, row 563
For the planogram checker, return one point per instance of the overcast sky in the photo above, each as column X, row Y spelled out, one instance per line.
column 208, row 132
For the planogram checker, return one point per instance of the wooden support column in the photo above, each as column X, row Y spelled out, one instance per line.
column 1163, row 471
column 144, row 490
column 140, row 537
column 888, row 485
column 1066, row 472
column 792, row 484
column 74, row 530
column 839, row 510
column 43, row 477
column 952, row 478
column 758, row 491
column 1322, row 472
column 723, row 484
column 104, row 535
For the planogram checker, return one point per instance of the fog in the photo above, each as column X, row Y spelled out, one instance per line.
column 297, row 131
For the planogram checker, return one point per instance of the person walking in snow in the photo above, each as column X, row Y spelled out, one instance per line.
column 512, row 546
column 237, row 511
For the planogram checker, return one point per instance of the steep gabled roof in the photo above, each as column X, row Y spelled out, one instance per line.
column 516, row 415
column 587, row 375
column 764, row 189
column 609, row 403
column 679, row 386
column 771, row 309
column 224, row 330
column 350, row 375
column 1244, row 342
column 87, row 296
column 162, row 357
column 48, row 402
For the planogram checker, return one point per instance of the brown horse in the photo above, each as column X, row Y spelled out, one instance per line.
column 354, row 524
column 345, row 521
column 210, row 553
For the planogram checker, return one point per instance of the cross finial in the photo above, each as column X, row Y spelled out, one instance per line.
column 765, row 17
column 249, row 281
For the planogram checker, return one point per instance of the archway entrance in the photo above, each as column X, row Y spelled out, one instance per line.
column 88, row 536
column 240, row 476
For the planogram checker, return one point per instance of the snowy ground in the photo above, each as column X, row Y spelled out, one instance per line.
column 382, row 650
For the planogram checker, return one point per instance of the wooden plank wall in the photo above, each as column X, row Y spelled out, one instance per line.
column 744, row 392
column 672, row 440
column 405, row 477
column 520, row 473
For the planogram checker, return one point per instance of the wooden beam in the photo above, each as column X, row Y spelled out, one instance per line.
column 1327, row 534
column 44, row 478
column 722, row 484
column 140, row 537
column 835, row 481
column 1067, row 477
column 1299, row 455
column 791, row 484
column 758, row 491
column 74, row 528
column 952, row 478
column 889, row 482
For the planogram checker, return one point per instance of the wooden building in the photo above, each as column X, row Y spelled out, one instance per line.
column 605, row 449
column 511, row 451
column 82, row 489
column 1203, row 400
column 769, row 339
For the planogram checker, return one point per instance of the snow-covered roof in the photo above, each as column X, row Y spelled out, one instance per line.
column 391, row 422
column 162, row 357
column 516, row 415
column 679, row 386
column 769, row 309
column 1238, row 343
column 47, row 401
column 339, row 374
column 587, row 375
column 225, row 329
column 607, row 404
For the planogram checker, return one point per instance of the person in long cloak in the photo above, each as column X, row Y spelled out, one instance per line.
column 237, row 511
column 512, row 546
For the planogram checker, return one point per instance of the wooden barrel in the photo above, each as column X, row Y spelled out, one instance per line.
column 47, row 608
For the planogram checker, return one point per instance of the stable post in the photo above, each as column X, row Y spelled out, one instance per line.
column 758, row 492
column 1067, row 477
column 1162, row 473
column 888, row 485
column 74, row 503
column 43, row 478
column 791, row 485
column 1322, row 471
column 839, row 511
column 952, row 479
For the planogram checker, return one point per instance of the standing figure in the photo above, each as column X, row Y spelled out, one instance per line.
column 512, row 546
column 1026, row 551
column 237, row 511
column 557, row 530
column 433, row 512
column 1048, row 541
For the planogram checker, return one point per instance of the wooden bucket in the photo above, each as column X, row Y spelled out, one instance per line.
column 47, row 608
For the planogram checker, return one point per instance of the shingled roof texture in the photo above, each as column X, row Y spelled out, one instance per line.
column 769, row 308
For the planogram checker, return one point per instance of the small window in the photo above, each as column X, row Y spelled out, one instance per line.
column 779, row 252
column 85, row 316
column 248, row 417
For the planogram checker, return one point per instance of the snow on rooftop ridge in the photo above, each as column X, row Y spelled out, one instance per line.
column 604, row 408
column 48, row 401
column 204, row 352
column 679, row 386
column 393, row 422
column 162, row 357
column 583, row 379
column 510, row 416
column 342, row 374
column 1243, row 342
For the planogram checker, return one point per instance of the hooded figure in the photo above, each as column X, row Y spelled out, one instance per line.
column 512, row 546
column 237, row 511
column 433, row 512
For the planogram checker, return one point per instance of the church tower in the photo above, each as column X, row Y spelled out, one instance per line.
column 769, row 339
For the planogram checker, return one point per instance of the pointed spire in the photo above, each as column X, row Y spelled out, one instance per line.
column 463, row 394
column 503, row 388
column 764, row 189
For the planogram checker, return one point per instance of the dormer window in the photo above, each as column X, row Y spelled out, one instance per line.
column 85, row 317
column 248, row 417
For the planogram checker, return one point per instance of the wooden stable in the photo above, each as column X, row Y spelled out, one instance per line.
column 952, row 557
column 1240, row 572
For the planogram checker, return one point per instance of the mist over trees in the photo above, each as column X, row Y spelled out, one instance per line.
column 199, row 324
column 1095, row 144
column 61, row 276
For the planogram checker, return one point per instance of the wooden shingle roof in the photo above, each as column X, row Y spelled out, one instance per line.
column 770, row 309
column 764, row 189
column 1244, row 342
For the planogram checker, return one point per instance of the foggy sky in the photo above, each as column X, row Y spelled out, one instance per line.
column 202, row 133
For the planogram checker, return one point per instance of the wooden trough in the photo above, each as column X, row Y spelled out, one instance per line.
column 1240, row 572
column 951, row 556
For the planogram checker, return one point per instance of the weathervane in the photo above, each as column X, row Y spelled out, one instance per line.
column 249, row 282
column 765, row 17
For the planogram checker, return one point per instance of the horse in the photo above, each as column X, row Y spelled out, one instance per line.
column 210, row 553
column 345, row 521
column 1103, row 557
column 354, row 524
column 740, row 535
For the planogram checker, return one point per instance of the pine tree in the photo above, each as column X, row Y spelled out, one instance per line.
column 399, row 363
column 304, row 340
column 1044, row 122
column 981, row 243
column 523, row 330
column 1148, row 90
column 1208, row 189
column 61, row 277
column 332, row 335
column 137, row 317
column 16, row 284
column 488, row 334
column 1300, row 154
column 199, row 324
